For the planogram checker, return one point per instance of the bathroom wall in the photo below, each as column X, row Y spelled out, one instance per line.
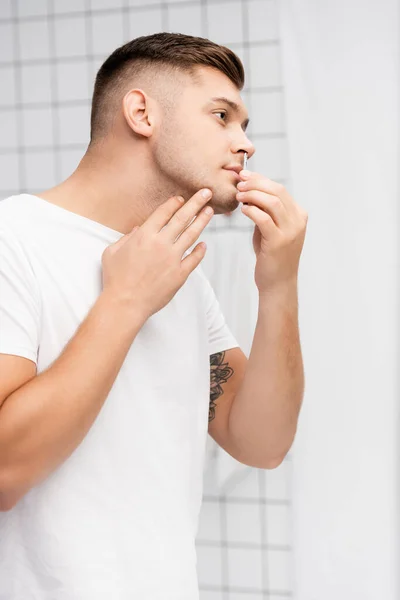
column 50, row 51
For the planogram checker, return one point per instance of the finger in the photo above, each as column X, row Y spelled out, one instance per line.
column 266, row 202
column 185, row 215
column 191, row 233
column 162, row 214
column 263, row 220
column 257, row 182
column 190, row 262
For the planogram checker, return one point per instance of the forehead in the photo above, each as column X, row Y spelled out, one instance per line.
column 211, row 84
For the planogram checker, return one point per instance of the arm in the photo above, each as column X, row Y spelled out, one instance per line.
column 43, row 421
column 264, row 411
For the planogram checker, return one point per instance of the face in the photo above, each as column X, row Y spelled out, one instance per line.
column 201, row 137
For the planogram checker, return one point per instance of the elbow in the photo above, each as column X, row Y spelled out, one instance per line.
column 264, row 463
column 8, row 495
column 261, row 462
column 5, row 503
column 273, row 463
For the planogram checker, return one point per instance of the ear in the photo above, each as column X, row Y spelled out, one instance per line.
column 139, row 112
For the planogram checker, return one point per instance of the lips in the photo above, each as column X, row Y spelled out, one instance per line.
column 235, row 173
column 235, row 168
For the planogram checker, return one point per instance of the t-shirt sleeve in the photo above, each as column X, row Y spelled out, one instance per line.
column 19, row 300
column 220, row 337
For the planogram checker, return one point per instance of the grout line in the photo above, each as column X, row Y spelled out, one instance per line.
column 264, row 532
column 224, row 546
column 241, row 590
column 101, row 11
column 56, row 146
column 18, row 96
column 101, row 57
column 244, row 545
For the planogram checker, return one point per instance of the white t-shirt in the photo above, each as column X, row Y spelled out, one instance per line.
column 118, row 519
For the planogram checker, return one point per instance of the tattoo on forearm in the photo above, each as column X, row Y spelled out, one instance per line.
column 220, row 373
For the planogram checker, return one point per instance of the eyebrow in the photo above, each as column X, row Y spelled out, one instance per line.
column 234, row 106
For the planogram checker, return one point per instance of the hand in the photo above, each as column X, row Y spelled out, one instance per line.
column 280, row 228
column 144, row 269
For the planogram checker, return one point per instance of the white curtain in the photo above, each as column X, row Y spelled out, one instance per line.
column 340, row 63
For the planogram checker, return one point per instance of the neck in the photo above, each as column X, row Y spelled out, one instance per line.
column 114, row 189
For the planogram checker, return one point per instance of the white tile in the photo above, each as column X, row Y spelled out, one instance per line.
column 224, row 21
column 7, row 78
column 145, row 22
column 74, row 124
column 34, row 40
column 107, row 32
column 245, row 568
column 102, row 4
column 69, row 6
column 271, row 158
column 209, row 567
column 137, row 3
column 39, row 170
column 243, row 523
column 278, row 524
column 263, row 20
column 210, row 487
column 6, row 9
column 73, row 81
column 250, row 596
column 279, row 568
column 70, row 36
column 94, row 66
column 247, row 486
column 245, row 95
column 6, row 42
column 9, row 130
column 185, row 19
column 265, row 70
column 278, row 481
column 36, row 83
column 267, row 112
column 37, row 127
column 242, row 54
column 207, row 595
column 27, row 8
column 209, row 528
column 69, row 161
column 9, row 171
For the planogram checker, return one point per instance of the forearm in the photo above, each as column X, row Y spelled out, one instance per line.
column 43, row 421
column 264, row 413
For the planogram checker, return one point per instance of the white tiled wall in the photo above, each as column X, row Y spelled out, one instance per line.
column 50, row 51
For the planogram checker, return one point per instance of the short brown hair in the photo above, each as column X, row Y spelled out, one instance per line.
column 174, row 50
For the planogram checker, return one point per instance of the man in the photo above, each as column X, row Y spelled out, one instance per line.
column 115, row 357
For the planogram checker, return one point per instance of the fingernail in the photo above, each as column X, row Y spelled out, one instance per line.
column 245, row 173
column 206, row 193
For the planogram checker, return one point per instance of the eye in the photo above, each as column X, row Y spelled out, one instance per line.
column 222, row 112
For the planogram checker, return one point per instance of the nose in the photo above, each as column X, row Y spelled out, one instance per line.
column 244, row 145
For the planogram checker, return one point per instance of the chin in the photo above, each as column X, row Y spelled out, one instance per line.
column 222, row 206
